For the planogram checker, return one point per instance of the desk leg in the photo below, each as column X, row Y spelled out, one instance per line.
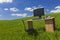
column 30, row 25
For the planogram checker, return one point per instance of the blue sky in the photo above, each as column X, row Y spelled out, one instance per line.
column 13, row 9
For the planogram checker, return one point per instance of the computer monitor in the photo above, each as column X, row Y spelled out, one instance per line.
column 39, row 12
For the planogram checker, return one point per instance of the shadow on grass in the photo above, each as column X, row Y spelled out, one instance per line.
column 32, row 32
column 57, row 29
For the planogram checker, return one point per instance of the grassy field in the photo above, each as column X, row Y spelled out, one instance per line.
column 14, row 29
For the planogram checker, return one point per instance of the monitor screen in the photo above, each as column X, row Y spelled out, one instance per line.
column 39, row 12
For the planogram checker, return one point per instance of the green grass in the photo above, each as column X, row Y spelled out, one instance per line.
column 14, row 29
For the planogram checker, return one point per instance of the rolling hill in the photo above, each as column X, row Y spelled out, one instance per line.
column 14, row 29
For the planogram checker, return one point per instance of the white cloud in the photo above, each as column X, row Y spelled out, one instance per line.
column 21, row 15
column 54, row 11
column 32, row 8
column 6, row 9
column 14, row 9
column 28, row 9
column 57, row 9
column 6, row 1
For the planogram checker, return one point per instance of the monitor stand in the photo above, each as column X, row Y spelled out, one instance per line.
column 40, row 17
